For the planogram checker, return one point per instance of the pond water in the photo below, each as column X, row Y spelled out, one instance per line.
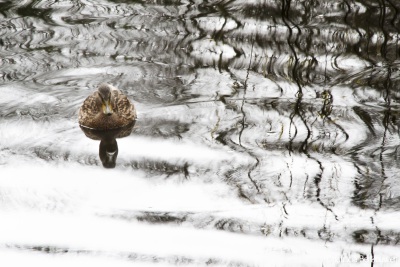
column 267, row 133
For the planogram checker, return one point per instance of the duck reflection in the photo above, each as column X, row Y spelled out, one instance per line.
column 108, row 149
column 108, row 152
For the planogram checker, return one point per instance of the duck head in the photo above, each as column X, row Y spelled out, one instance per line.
column 105, row 95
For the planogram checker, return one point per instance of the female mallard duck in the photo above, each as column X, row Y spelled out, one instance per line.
column 107, row 108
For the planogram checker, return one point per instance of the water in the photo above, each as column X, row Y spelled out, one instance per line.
column 267, row 133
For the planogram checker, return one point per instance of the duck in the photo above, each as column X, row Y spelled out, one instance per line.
column 107, row 108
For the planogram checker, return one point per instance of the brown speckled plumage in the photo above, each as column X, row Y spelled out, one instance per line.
column 91, row 114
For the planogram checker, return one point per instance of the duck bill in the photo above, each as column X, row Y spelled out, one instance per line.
column 107, row 109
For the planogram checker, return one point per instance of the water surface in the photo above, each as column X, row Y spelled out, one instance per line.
column 267, row 133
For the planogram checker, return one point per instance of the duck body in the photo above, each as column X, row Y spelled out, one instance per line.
column 107, row 108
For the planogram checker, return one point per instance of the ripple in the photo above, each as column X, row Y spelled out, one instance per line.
column 271, row 126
